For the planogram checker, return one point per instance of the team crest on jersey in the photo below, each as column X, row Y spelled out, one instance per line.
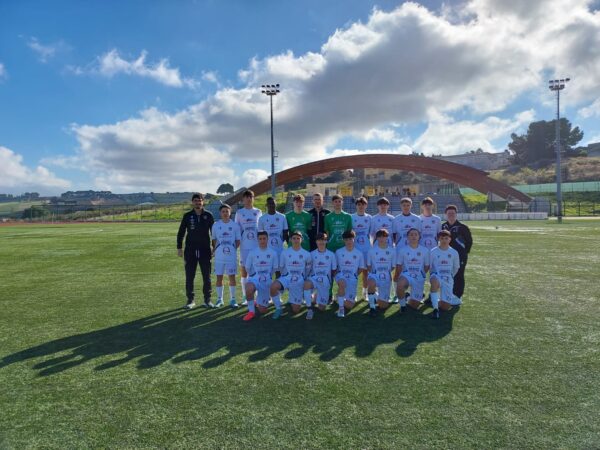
column 418, row 253
column 301, row 256
column 230, row 228
column 443, row 261
column 354, row 256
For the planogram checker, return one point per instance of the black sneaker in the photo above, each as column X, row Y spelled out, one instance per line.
column 435, row 314
column 373, row 312
column 208, row 304
column 427, row 301
column 402, row 309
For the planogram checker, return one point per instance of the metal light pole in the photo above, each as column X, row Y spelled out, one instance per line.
column 558, row 85
column 271, row 90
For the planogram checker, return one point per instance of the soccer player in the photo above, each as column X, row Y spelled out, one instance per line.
column 431, row 224
column 445, row 263
column 299, row 220
column 404, row 222
column 412, row 265
column 337, row 223
column 350, row 263
column 275, row 224
column 261, row 264
column 247, row 219
column 380, row 265
column 197, row 224
column 383, row 220
column 295, row 263
column 462, row 241
column 361, row 224
column 318, row 214
column 226, row 238
column 324, row 265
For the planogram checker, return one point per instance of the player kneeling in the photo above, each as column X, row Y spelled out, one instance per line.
column 412, row 266
column 444, row 265
column 324, row 265
column 261, row 264
column 295, row 265
column 381, row 261
column 350, row 263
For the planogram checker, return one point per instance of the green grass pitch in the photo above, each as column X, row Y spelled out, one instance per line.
column 95, row 352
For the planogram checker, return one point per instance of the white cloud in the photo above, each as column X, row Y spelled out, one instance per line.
column 3, row 72
column 408, row 65
column 16, row 178
column 253, row 176
column 45, row 52
column 590, row 110
column 111, row 63
column 449, row 137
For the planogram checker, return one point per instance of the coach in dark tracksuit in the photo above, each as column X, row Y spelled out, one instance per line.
column 461, row 242
column 317, row 214
column 197, row 224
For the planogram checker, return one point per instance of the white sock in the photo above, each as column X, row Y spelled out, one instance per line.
column 308, row 298
column 219, row 293
column 435, row 298
column 251, row 306
column 394, row 288
column 341, row 302
column 243, row 280
column 232, row 292
column 277, row 301
column 372, row 300
column 365, row 292
column 403, row 301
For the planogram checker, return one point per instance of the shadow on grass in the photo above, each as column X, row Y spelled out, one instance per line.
column 218, row 335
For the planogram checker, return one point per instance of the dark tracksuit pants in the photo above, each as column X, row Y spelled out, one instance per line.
column 459, row 278
column 192, row 258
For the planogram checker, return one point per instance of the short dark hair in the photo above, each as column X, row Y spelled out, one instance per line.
column 321, row 237
column 337, row 197
column 349, row 234
column 224, row 206
column 262, row 233
column 451, row 207
column 361, row 200
column 414, row 229
column 270, row 200
column 382, row 232
column 405, row 200
column 383, row 201
column 196, row 195
column 444, row 233
column 298, row 197
column 427, row 201
column 295, row 233
column 248, row 193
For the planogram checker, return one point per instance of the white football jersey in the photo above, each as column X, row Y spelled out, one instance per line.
column 362, row 227
column 382, row 260
column 295, row 262
column 386, row 221
column 262, row 262
column 275, row 225
column 431, row 226
column 350, row 262
column 404, row 223
column 444, row 262
column 225, row 234
column 323, row 263
column 413, row 260
column 247, row 219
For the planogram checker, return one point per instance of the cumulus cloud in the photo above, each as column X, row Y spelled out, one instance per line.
column 111, row 63
column 592, row 110
column 45, row 52
column 408, row 65
column 3, row 72
column 16, row 178
column 253, row 176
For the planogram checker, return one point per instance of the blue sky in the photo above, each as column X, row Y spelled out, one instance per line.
column 163, row 96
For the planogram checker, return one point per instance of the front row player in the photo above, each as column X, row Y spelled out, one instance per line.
column 413, row 263
column 350, row 263
column 295, row 266
column 380, row 265
column 324, row 265
column 444, row 265
column 261, row 264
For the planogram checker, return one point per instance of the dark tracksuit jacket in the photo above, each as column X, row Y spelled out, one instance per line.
column 196, row 229
column 461, row 242
column 318, row 225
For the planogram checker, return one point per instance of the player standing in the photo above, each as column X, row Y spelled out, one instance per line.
column 318, row 214
column 412, row 262
column 261, row 264
column 462, row 241
column 444, row 265
column 324, row 265
column 226, row 238
column 404, row 222
column 275, row 224
column 300, row 220
column 431, row 224
column 337, row 222
column 295, row 263
column 383, row 219
column 350, row 263
column 380, row 265
column 361, row 224
column 247, row 219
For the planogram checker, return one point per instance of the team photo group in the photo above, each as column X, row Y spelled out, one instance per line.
column 311, row 253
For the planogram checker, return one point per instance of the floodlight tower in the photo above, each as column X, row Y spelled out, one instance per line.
column 557, row 86
column 271, row 90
